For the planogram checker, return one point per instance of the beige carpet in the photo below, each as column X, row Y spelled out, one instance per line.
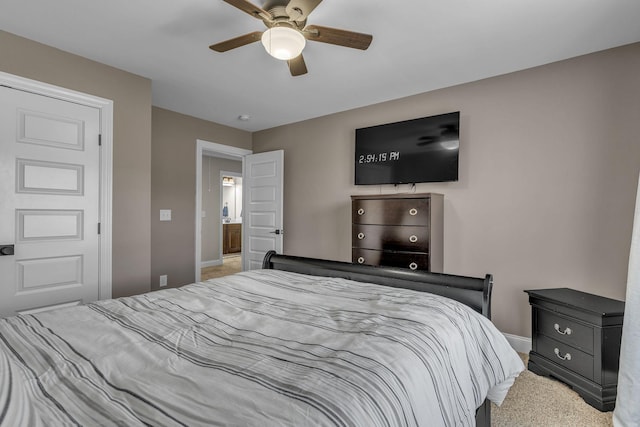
column 538, row 401
column 230, row 264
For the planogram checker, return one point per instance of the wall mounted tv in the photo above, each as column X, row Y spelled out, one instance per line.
column 408, row 152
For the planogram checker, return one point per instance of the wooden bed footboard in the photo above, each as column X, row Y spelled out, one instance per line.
column 471, row 291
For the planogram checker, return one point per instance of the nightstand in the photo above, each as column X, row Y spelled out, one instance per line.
column 576, row 339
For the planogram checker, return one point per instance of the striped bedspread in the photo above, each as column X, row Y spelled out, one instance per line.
column 259, row 348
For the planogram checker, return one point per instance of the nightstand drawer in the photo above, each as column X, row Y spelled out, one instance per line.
column 565, row 330
column 571, row 358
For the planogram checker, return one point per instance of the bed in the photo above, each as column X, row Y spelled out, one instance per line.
column 300, row 342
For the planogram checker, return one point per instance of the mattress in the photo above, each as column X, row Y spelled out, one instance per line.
column 259, row 348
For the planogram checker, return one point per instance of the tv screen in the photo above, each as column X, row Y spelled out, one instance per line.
column 408, row 152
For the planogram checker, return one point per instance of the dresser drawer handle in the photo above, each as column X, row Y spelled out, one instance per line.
column 413, row 238
column 360, row 236
column 567, row 331
column 565, row 357
column 413, row 211
column 360, row 260
column 413, row 266
column 360, row 211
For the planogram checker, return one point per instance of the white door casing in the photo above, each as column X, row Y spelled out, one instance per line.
column 53, row 197
column 262, row 218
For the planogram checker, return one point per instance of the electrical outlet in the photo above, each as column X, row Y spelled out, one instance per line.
column 163, row 280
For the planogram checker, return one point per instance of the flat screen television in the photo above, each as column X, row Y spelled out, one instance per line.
column 409, row 152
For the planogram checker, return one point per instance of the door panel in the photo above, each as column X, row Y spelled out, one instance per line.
column 49, row 129
column 38, row 225
column 262, row 211
column 49, row 178
column 49, row 202
column 36, row 274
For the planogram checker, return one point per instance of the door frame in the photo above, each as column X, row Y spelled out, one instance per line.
column 212, row 149
column 105, row 106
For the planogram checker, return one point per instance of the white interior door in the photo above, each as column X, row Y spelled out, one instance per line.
column 262, row 211
column 49, row 202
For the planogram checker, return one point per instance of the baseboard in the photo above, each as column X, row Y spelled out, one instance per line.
column 519, row 344
column 212, row 263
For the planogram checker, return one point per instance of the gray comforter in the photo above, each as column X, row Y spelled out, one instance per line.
column 260, row 348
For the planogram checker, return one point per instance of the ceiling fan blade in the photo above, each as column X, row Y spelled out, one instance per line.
column 297, row 66
column 298, row 10
column 337, row 37
column 250, row 8
column 236, row 42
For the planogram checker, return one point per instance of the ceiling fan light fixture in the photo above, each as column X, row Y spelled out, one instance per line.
column 283, row 42
column 451, row 144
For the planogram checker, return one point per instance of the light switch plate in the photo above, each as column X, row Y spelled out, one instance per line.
column 165, row 214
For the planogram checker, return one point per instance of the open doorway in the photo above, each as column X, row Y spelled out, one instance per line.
column 221, row 216
column 213, row 161
column 230, row 225
column 262, row 211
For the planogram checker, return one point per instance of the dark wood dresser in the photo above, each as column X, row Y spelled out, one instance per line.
column 576, row 339
column 399, row 230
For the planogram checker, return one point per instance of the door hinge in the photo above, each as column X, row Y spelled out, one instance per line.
column 100, row 139
column 98, row 228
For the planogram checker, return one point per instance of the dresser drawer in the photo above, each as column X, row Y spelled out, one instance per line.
column 565, row 330
column 413, row 261
column 390, row 237
column 569, row 357
column 391, row 211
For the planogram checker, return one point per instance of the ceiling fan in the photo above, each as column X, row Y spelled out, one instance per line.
column 287, row 31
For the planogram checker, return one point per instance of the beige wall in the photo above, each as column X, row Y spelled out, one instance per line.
column 131, row 95
column 549, row 165
column 173, row 183
column 212, row 222
column 171, row 180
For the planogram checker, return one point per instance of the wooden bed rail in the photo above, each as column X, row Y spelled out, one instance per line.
column 472, row 291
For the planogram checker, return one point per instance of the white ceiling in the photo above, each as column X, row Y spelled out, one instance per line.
column 418, row 46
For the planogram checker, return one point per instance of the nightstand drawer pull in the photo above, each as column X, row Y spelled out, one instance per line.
column 565, row 357
column 360, row 236
column 360, row 211
column 413, row 211
column 413, row 266
column 413, row 238
column 361, row 260
column 567, row 331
